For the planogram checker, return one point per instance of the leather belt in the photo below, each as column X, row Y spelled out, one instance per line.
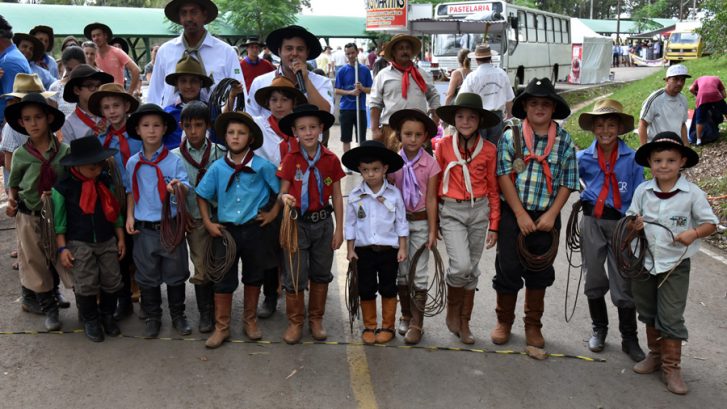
column 416, row 216
column 22, row 208
column 449, row 199
column 156, row 226
column 609, row 213
column 318, row 215
column 376, row 248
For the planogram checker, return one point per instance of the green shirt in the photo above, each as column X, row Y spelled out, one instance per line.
column 216, row 152
column 25, row 173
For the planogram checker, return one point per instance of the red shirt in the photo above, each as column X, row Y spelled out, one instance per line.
column 251, row 71
column 294, row 166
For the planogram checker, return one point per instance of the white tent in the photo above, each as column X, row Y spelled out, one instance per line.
column 592, row 55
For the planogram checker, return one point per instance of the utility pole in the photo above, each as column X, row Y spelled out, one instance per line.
column 591, row 15
column 618, row 20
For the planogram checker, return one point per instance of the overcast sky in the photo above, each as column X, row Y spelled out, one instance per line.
column 333, row 8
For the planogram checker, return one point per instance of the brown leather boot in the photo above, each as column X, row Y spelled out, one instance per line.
column 295, row 309
column 505, row 311
column 652, row 362
column 249, row 313
column 316, row 308
column 534, row 305
column 454, row 308
column 415, row 332
column 368, row 311
column 223, row 308
column 468, row 303
column 388, row 320
column 671, row 372
column 405, row 302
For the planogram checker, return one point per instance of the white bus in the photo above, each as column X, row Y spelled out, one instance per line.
column 532, row 43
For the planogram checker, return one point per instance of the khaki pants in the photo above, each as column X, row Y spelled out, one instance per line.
column 34, row 271
column 95, row 267
column 464, row 231
column 418, row 236
column 197, row 239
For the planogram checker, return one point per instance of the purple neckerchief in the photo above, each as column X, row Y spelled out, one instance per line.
column 410, row 189
column 252, row 63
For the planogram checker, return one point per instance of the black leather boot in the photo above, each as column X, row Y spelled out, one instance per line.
column 62, row 301
column 176, row 297
column 151, row 303
column 88, row 311
column 108, row 306
column 29, row 301
column 599, row 317
column 270, row 289
column 629, row 339
column 204, row 293
column 49, row 305
column 124, row 307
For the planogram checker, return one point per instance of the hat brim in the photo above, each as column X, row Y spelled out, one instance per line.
column 352, row 158
column 172, row 9
column 415, row 42
column 487, row 118
column 626, row 121
column 262, row 96
column 134, row 119
column 94, row 102
column 93, row 26
column 47, row 31
column 562, row 110
column 70, row 96
column 224, row 119
column 171, row 79
column 71, row 160
column 12, row 116
column 287, row 122
column 38, row 47
column 259, row 43
column 275, row 40
column 45, row 94
column 643, row 153
column 401, row 116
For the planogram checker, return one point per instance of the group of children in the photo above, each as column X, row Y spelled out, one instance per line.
column 474, row 194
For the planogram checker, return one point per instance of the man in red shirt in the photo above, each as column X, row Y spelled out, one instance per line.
column 710, row 111
column 110, row 59
column 252, row 65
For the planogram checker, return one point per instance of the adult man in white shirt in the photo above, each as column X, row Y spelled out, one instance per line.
column 218, row 58
column 339, row 58
column 666, row 110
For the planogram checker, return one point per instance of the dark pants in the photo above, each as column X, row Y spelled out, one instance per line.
column 509, row 271
column 376, row 271
column 126, row 265
column 663, row 307
column 709, row 115
column 347, row 118
column 494, row 133
column 250, row 249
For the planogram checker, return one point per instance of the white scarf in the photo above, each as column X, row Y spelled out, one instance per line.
column 463, row 163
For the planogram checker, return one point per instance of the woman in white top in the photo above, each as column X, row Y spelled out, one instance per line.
column 458, row 75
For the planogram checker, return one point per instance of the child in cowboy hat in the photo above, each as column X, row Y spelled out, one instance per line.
column 90, row 235
column 469, row 207
column 537, row 171
column 376, row 233
column 611, row 176
column 188, row 79
column 36, row 167
column 46, row 36
column 418, row 181
column 84, row 81
column 34, row 50
column 243, row 185
column 680, row 207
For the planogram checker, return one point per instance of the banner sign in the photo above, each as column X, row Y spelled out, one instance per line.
column 643, row 62
column 574, row 77
column 386, row 15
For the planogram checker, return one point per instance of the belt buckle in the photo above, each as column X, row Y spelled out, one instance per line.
column 323, row 214
column 314, row 217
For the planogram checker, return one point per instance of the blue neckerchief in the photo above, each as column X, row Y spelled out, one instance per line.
column 306, row 178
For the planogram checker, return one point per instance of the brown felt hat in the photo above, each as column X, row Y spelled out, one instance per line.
column 25, row 84
column 13, row 112
column 110, row 89
column 607, row 107
column 188, row 65
column 171, row 10
column 281, row 84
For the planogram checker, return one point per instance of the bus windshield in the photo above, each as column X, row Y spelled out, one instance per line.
column 684, row 38
column 450, row 44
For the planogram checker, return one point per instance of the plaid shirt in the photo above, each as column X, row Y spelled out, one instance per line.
column 530, row 184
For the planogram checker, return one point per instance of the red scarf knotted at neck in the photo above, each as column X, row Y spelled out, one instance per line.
column 91, row 191
column 47, row 175
column 609, row 180
column 542, row 159
column 290, row 142
column 241, row 168
column 418, row 79
column 120, row 134
column 96, row 127
column 201, row 166
column 161, row 186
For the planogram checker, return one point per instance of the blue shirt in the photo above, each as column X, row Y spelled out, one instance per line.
column 52, row 65
column 12, row 61
column 346, row 78
column 172, row 140
column 135, row 146
column 149, row 206
column 43, row 74
column 628, row 174
column 248, row 193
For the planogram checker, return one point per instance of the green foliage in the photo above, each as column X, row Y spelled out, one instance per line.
column 642, row 15
column 260, row 17
column 714, row 26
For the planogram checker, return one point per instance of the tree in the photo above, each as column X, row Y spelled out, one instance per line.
column 260, row 17
column 714, row 26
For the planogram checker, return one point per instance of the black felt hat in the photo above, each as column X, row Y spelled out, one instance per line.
column 223, row 120
column 38, row 47
column 400, row 116
column 253, row 40
column 149, row 109
column 275, row 40
column 666, row 140
column 86, row 151
column 122, row 42
column 471, row 101
column 13, row 112
column 78, row 75
column 372, row 149
column 540, row 87
column 287, row 122
column 48, row 31
column 171, row 10
column 93, row 26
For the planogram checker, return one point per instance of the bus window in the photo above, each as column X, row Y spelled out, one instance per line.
column 549, row 29
column 522, row 27
column 532, row 36
column 556, row 30
column 540, row 25
column 566, row 31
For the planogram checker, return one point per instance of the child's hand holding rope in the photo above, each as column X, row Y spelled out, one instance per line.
column 214, row 229
column 288, row 199
column 545, row 222
column 687, row 237
column 12, row 209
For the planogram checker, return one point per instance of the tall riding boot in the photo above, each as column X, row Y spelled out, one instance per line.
column 62, row 301
column 29, row 301
column 205, row 294
column 107, row 307
column 223, row 309
column 249, row 313
column 405, row 302
column 176, row 297
column 316, row 308
column 629, row 338
column 671, row 358
column 599, row 318
column 295, row 309
column 368, row 312
column 468, row 303
column 454, row 308
column 125, row 306
column 652, row 362
column 534, row 305
column 415, row 332
column 88, row 311
column 270, row 290
column 151, row 303
column 49, row 305
column 505, row 311
column 388, row 320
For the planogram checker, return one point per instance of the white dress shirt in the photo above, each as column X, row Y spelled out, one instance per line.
column 375, row 218
column 322, row 84
column 491, row 84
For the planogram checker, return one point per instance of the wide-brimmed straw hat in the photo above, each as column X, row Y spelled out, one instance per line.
column 149, row 109
column 481, row 51
column 280, row 84
column 25, row 84
column 110, row 89
column 93, row 26
column 403, row 115
column 86, row 151
column 416, row 45
column 471, row 101
column 13, row 112
column 275, row 40
column 171, row 10
column 48, row 31
column 372, row 149
column 607, row 107
column 666, row 140
column 543, row 88
column 224, row 119
column 78, row 75
column 38, row 47
column 189, row 65
column 287, row 122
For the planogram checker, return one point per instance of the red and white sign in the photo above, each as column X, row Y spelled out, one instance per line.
column 386, row 15
column 574, row 77
column 467, row 8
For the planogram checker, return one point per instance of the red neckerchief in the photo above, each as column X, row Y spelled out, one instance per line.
column 161, row 186
column 91, row 190
column 418, row 79
column 609, row 179
column 200, row 166
column 529, row 137
column 123, row 143
column 290, row 142
column 47, row 174
column 96, row 127
column 242, row 167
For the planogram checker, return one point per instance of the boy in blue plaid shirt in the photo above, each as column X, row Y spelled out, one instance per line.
column 536, row 172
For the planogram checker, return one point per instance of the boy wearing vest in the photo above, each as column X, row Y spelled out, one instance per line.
column 188, row 79
column 90, row 235
column 417, row 181
column 310, row 176
column 35, row 169
column 153, row 174
column 243, row 185
column 536, row 181
column 611, row 176
column 83, row 82
column 198, row 153
column 376, row 232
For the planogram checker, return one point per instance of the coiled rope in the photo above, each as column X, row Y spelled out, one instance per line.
column 537, row 262
column 173, row 229
column 119, row 191
column 289, row 242
column 217, row 265
column 47, row 229
column 218, row 99
column 437, row 291
column 352, row 298
column 572, row 246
